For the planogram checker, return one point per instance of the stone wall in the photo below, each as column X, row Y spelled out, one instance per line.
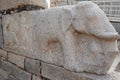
column 16, row 67
column 21, row 56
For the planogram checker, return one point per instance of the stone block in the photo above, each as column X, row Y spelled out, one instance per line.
column 32, row 66
column 2, row 78
column 10, row 4
column 57, row 73
column 3, row 53
column 53, row 72
column 15, row 71
column 16, row 59
column 4, row 74
column 36, row 77
column 24, row 40
column 79, row 42
column 11, row 78
column 43, row 78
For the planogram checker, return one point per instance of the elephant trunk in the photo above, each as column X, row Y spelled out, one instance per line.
column 108, row 35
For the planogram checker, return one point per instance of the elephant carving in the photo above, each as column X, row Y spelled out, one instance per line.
column 61, row 23
column 39, row 28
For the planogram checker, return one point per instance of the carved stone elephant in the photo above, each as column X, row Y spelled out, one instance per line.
column 61, row 24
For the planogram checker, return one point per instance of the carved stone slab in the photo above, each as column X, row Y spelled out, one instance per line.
column 78, row 37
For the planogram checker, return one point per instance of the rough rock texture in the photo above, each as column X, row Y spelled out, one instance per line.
column 1, row 33
column 78, row 37
column 15, row 71
column 28, row 44
column 11, row 78
column 16, row 59
column 32, row 66
column 53, row 72
column 36, row 78
column 3, row 53
column 75, row 42
column 1, row 78
column 3, row 74
column 9, row 4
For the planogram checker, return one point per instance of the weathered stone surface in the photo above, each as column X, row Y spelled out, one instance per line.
column 36, row 78
column 28, row 45
column 78, row 37
column 43, row 78
column 118, row 68
column 115, row 64
column 113, row 76
column 16, row 59
column 53, row 72
column 2, row 78
column 4, row 74
column 32, row 66
column 11, row 78
column 109, row 76
column 57, row 73
column 3, row 53
column 15, row 71
column 1, row 33
column 9, row 4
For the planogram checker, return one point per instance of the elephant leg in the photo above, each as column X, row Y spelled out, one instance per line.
column 69, row 52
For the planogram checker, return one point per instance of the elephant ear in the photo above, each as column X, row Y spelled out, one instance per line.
column 66, row 19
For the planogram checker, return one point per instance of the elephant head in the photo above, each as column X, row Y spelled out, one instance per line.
column 87, row 17
column 90, row 19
